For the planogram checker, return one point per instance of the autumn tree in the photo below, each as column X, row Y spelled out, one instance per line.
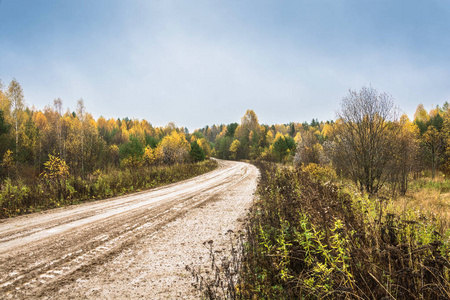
column 309, row 149
column 41, row 122
column 235, row 149
column 55, row 171
column 81, row 111
column 57, row 103
column 4, row 130
column 150, row 156
column 364, row 137
column 249, row 133
column 432, row 143
column 405, row 150
column 15, row 95
column 175, row 148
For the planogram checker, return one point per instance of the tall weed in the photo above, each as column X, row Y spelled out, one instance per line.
column 307, row 239
column 18, row 198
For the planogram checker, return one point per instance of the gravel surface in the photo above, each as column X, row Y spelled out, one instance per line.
column 135, row 246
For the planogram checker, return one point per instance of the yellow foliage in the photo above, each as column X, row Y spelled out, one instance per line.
column 55, row 168
column 41, row 121
column 131, row 162
column 234, row 148
column 204, row 144
column 149, row 156
column 270, row 137
column 8, row 160
column 280, row 128
column 421, row 114
column 222, row 133
column 298, row 138
column 175, row 148
column 278, row 136
column 323, row 173
column 327, row 130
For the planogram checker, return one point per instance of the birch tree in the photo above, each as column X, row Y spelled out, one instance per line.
column 81, row 111
column 15, row 95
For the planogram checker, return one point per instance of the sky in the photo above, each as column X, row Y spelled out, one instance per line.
column 200, row 63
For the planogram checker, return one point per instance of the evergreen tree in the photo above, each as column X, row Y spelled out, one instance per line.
column 197, row 154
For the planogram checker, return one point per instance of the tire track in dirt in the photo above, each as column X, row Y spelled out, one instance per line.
column 41, row 252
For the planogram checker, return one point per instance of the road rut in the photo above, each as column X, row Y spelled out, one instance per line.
column 134, row 246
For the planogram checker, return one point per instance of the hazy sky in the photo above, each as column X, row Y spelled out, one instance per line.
column 207, row 62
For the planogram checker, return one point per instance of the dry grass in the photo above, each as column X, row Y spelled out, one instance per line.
column 429, row 197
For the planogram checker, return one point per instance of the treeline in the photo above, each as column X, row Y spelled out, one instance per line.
column 53, row 157
column 28, row 136
column 369, row 142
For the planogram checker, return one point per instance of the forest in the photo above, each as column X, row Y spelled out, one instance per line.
column 351, row 208
column 52, row 157
column 35, row 141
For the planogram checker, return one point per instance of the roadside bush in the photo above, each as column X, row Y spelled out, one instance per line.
column 307, row 239
column 17, row 198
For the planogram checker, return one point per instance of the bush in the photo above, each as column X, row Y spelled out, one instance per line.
column 17, row 198
column 312, row 240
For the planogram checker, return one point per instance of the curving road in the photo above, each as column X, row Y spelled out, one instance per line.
column 134, row 246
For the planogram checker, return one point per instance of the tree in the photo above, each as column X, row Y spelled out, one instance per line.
column 432, row 133
column 15, row 94
column 56, row 171
column 222, row 147
column 55, row 168
column 7, row 162
column 405, row 148
column 81, row 111
column 196, row 153
column 205, row 145
column 57, row 103
column 308, row 148
column 4, row 129
column 433, row 147
column 235, row 148
column 363, row 147
column 231, row 129
column 248, row 134
column 175, row 148
column 132, row 151
column 149, row 156
column 283, row 146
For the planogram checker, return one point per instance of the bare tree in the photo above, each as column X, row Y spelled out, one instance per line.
column 362, row 147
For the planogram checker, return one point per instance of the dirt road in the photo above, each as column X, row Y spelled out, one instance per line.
column 135, row 246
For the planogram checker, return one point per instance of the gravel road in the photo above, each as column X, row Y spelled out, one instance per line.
column 134, row 246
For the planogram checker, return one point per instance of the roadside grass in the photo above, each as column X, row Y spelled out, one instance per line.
column 309, row 236
column 17, row 197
